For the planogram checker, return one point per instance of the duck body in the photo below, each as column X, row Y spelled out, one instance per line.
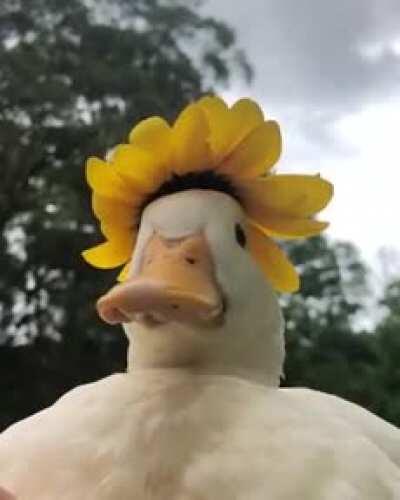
column 199, row 414
column 174, row 434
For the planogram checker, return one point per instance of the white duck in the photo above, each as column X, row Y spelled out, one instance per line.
column 199, row 414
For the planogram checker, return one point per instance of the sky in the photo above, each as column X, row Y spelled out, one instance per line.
column 329, row 72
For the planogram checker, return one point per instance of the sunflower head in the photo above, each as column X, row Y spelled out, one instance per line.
column 210, row 146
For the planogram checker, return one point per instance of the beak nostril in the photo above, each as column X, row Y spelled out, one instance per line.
column 190, row 260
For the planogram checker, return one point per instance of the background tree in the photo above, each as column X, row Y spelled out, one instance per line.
column 388, row 343
column 74, row 77
column 325, row 349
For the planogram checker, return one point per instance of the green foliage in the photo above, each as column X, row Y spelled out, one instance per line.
column 388, row 340
column 324, row 350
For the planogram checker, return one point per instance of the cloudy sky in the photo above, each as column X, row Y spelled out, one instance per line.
column 329, row 72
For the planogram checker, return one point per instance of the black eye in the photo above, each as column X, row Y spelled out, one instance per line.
column 240, row 235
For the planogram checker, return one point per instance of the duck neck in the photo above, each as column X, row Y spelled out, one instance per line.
column 224, row 354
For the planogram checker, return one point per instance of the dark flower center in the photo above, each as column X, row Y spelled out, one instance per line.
column 206, row 179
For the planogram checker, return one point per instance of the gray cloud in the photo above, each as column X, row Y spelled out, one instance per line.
column 308, row 53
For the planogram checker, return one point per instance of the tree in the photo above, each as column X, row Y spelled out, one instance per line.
column 74, row 77
column 388, row 340
column 324, row 351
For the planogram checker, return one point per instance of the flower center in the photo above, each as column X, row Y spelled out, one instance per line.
column 205, row 179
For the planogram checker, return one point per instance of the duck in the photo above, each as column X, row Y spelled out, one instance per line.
column 199, row 412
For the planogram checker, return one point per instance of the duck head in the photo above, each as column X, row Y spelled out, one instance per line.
column 194, row 297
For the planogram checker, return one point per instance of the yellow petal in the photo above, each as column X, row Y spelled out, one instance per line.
column 104, row 181
column 282, row 227
column 257, row 152
column 113, row 211
column 247, row 115
column 123, row 275
column 118, row 232
column 138, row 168
column 229, row 126
column 191, row 150
column 289, row 195
column 109, row 254
column 277, row 268
column 214, row 107
column 153, row 134
column 220, row 124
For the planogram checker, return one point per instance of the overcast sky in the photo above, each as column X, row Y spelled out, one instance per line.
column 329, row 72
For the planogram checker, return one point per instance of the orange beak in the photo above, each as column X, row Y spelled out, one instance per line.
column 6, row 495
column 176, row 282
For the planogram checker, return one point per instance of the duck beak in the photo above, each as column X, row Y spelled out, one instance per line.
column 6, row 495
column 175, row 282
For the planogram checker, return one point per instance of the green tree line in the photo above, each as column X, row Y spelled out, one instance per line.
column 74, row 76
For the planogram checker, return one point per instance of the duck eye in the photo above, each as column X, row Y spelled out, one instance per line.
column 240, row 235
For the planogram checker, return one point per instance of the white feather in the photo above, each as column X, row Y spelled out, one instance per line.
column 220, row 429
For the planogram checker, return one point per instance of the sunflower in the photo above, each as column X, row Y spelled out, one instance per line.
column 209, row 146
